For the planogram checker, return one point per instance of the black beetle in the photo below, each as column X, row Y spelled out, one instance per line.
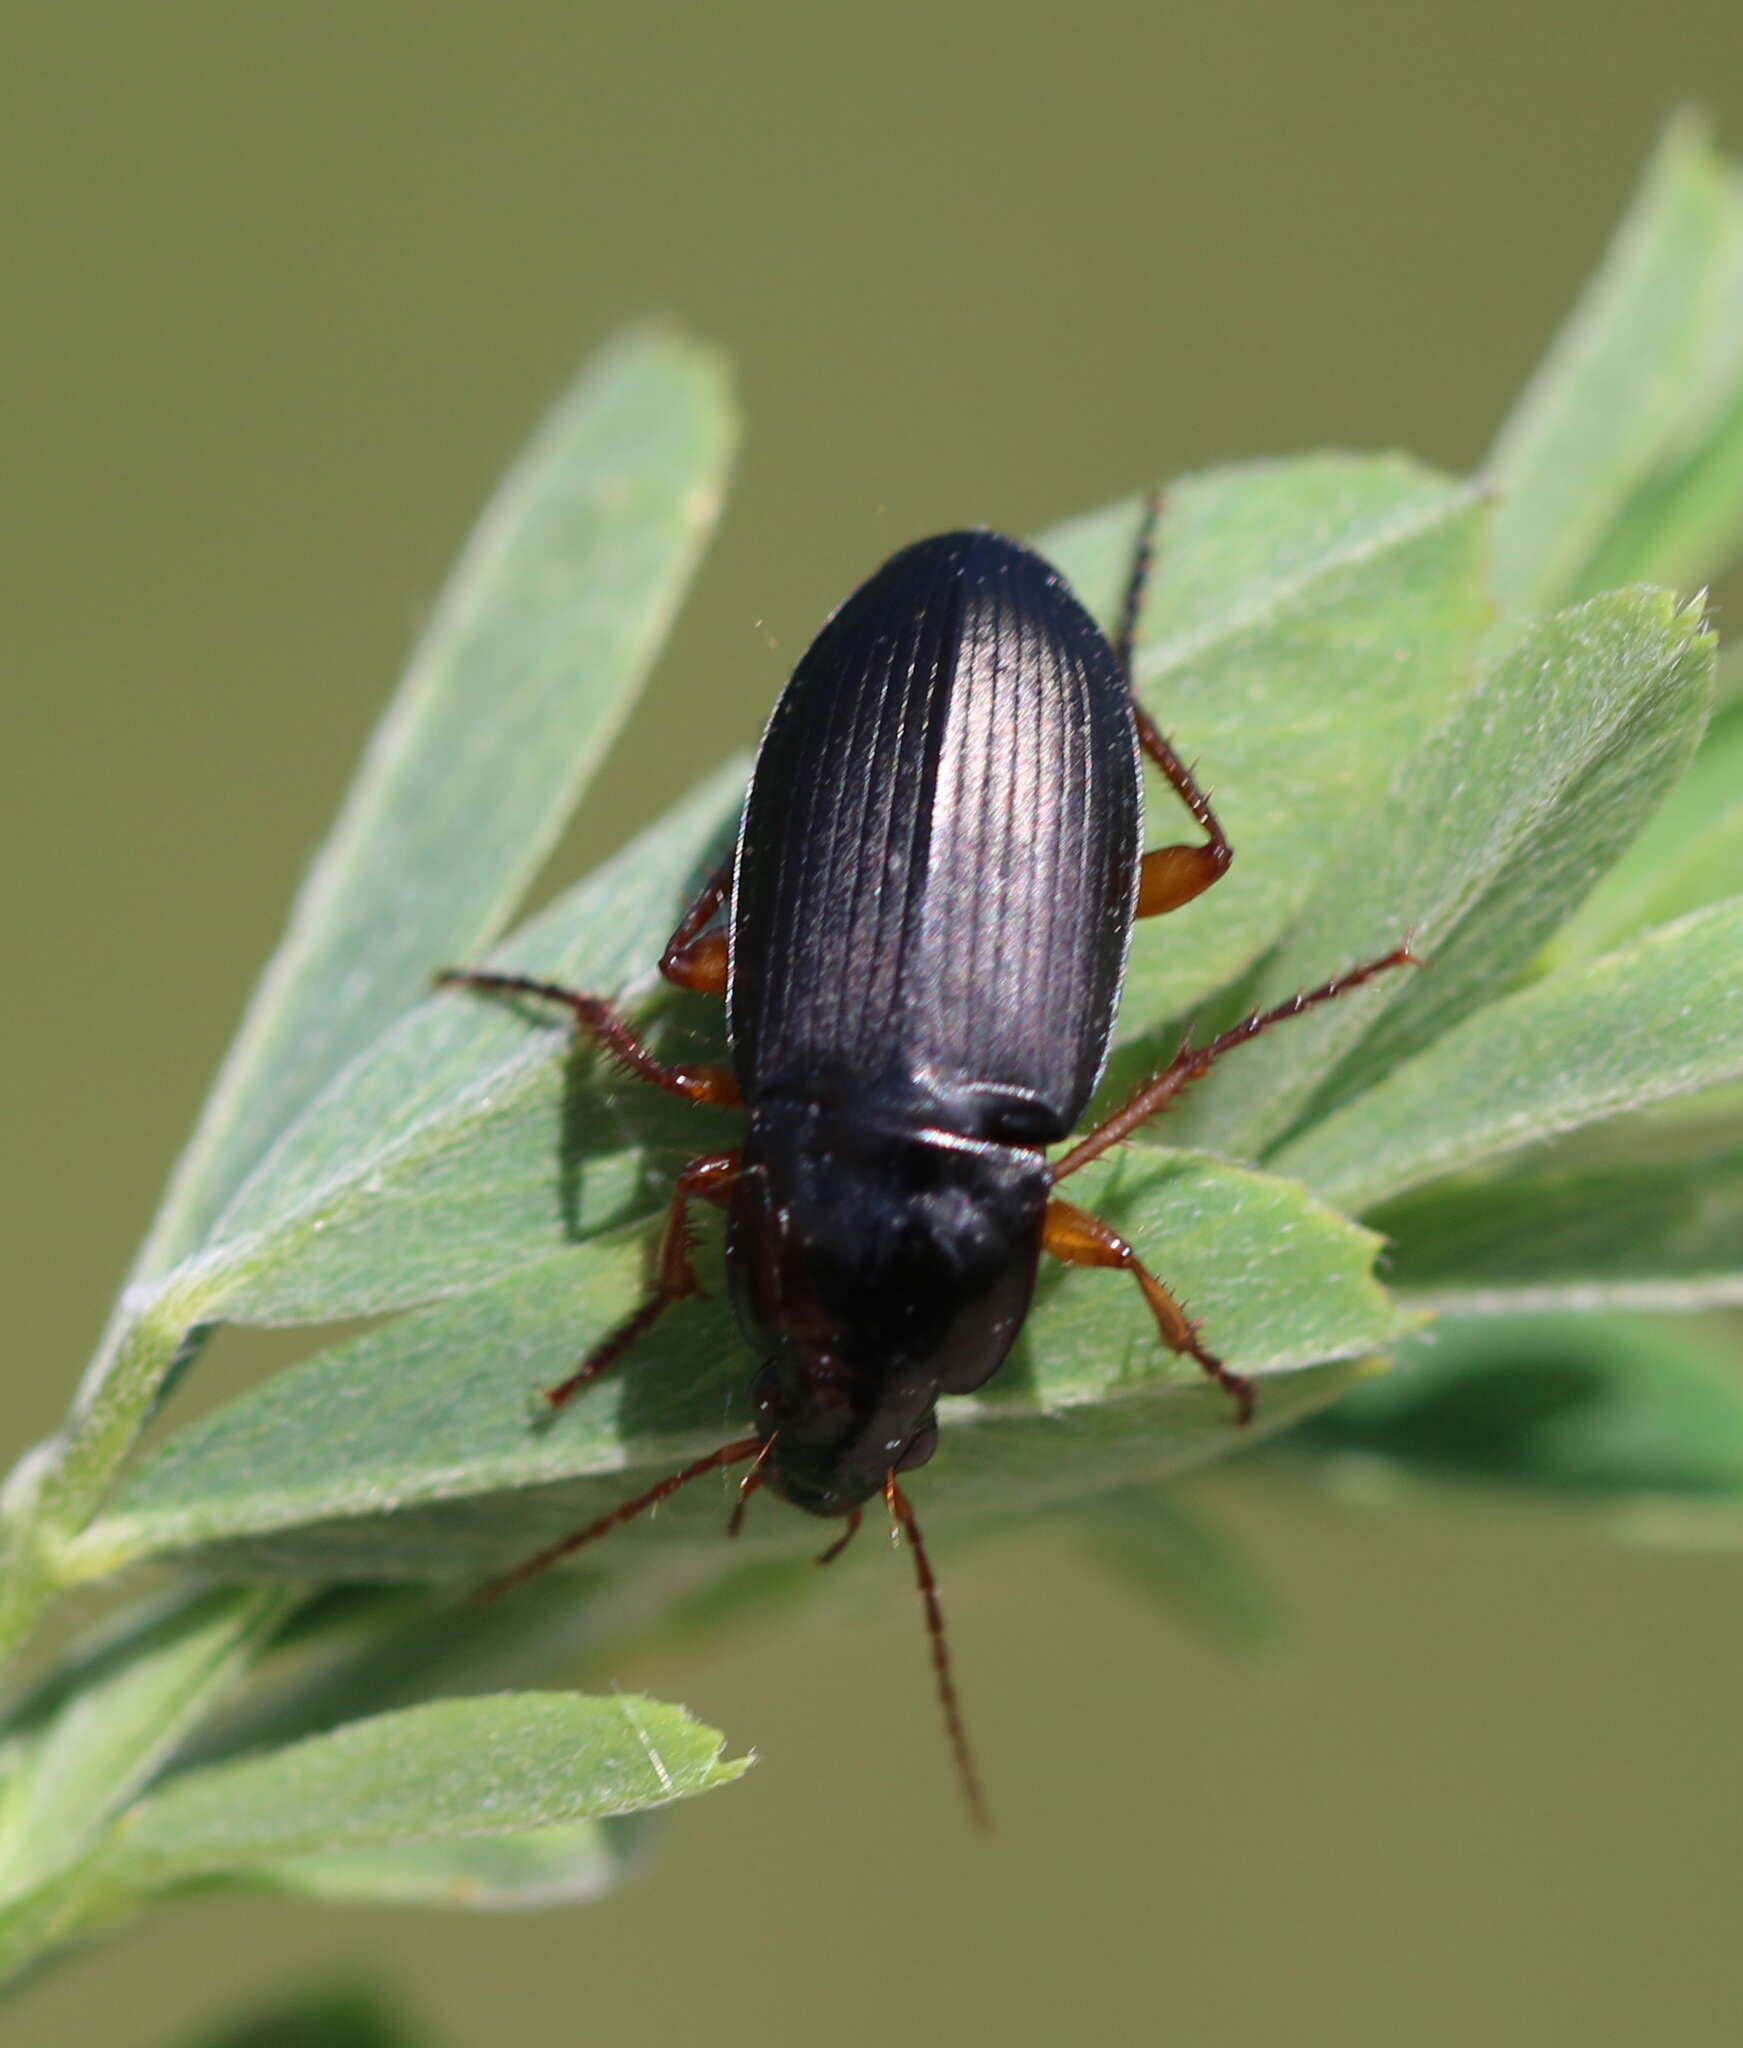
column 926, row 926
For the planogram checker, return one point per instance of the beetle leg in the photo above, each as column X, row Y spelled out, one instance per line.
column 595, row 1016
column 1171, row 875
column 696, row 959
column 843, row 1540
column 1080, row 1239
column 1191, row 1063
column 708, row 1179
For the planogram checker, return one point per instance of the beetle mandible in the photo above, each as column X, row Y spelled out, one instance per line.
column 921, row 940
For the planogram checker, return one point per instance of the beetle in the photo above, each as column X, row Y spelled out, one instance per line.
column 920, row 938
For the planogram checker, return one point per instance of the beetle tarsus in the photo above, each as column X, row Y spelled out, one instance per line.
column 1074, row 1236
column 708, row 1179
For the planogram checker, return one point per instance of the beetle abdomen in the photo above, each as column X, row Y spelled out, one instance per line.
column 940, row 849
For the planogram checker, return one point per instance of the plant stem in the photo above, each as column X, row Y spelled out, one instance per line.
column 58, row 1486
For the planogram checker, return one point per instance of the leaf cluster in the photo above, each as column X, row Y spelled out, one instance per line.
column 1462, row 709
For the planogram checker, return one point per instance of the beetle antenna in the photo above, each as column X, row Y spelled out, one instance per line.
column 728, row 1454
column 1132, row 603
column 747, row 1486
column 902, row 1515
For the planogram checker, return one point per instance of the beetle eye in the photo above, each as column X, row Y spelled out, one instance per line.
column 920, row 1446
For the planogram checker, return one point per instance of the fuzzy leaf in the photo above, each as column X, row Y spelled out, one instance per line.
column 1691, row 854
column 1685, row 522
column 475, row 1135
column 1637, row 386
column 1580, row 1407
column 567, row 1864
column 533, row 656
column 382, row 1647
column 90, row 1739
column 409, row 1451
column 1503, row 820
column 449, row 1770
column 1309, row 623
column 1661, row 1017
column 441, row 1773
column 1666, row 1235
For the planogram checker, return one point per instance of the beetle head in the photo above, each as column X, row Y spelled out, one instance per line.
column 877, row 1269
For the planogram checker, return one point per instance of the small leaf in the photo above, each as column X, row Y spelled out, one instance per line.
column 1187, row 1566
column 533, row 658
column 476, row 1134
column 390, row 1646
column 1500, row 823
column 445, row 1772
column 409, row 1450
column 1599, row 1408
column 1683, row 526
column 1691, row 854
column 1309, row 622
column 1634, row 377
column 448, row 1770
column 568, row 1864
column 1661, row 1017
column 1685, row 522
column 88, row 1740
column 530, row 663
column 1667, row 1236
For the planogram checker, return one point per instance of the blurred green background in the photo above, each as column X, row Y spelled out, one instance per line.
column 286, row 288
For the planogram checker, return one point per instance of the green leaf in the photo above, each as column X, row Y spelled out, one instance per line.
column 1309, row 623
column 368, row 1650
column 453, row 1150
column 1501, row 821
column 475, row 1135
column 89, row 1739
column 409, row 1451
column 379, row 1648
column 528, row 668
column 1661, row 1017
column 1617, row 462
column 448, row 1770
column 1186, row 1565
column 338, row 2016
column 1576, row 1407
column 1685, row 522
column 1665, row 1235
column 531, row 661
column 568, row 1864
column 1691, row 854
